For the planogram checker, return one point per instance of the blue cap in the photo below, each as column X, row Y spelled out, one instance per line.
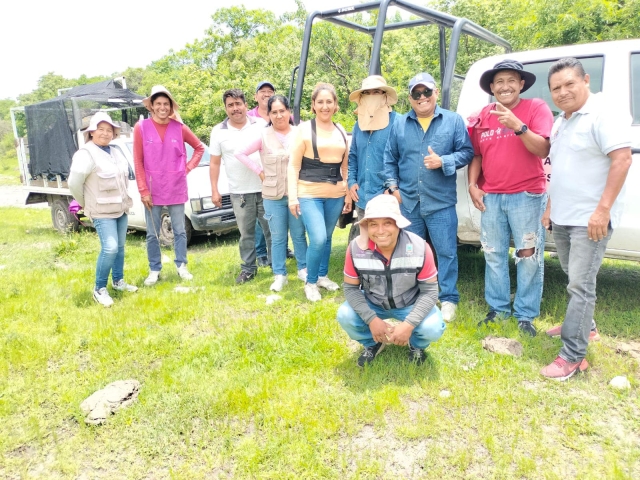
column 422, row 79
column 263, row 83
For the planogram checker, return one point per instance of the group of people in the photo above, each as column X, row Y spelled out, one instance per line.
column 400, row 173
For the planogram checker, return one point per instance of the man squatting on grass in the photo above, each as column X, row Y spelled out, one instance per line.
column 399, row 280
column 508, row 185
column 590, row 155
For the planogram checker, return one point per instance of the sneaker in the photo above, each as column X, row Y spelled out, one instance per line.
column 152, row 279
column 490, row 318
column 327, row 284
column 312, row 292
column 245, row 277
column 184, row 273
column 123, row 286
column 528, row 328
column 290, row 253
column 263, row 261
column 369, row 354
column 279, row 282
column 416, row 355
column 302, row 275
column 560, row 369
column 594, row 336
column 102, row 297
column 448, row 311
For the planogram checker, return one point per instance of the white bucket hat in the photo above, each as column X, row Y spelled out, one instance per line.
column 376, row 82
column 384, row 206
column 95, row 120
column 160, row 89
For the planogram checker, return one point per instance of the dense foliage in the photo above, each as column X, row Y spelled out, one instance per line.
column 243, row 47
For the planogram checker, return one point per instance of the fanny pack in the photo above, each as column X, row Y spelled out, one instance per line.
column 313, row 169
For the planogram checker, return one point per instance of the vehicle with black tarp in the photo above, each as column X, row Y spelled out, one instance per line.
column 48, row 133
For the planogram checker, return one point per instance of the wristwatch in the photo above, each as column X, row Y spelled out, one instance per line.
column 523, row 129
column 392, row 189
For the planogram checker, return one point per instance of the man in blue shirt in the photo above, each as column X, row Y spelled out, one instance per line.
column 425, row 148
column 369, row 138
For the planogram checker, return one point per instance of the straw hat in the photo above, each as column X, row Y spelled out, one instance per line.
column 160, row 89
column 376, row 82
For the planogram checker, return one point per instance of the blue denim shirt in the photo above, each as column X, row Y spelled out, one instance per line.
column 404, row 159
column 366, row 160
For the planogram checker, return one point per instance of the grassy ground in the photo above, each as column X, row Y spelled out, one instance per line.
column 232, row 388
column 9, row 171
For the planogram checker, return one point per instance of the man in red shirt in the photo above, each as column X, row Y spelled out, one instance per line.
column 389, row 272
column 507, row 184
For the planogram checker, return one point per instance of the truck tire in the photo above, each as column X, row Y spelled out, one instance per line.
column 166, row 231
column 63, row 220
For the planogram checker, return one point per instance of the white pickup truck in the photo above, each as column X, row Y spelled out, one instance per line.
column 49, row 133
column 614, row 68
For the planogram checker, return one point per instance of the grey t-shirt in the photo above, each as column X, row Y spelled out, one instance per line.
column 579, row 161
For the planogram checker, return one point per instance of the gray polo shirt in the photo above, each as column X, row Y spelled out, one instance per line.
column 579, row 161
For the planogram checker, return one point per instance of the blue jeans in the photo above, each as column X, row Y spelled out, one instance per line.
column 112, row 233
column 176, row 213
column 261, row 242
column 280, row 219
column 443, row 230
column 517, row 215
column 427, row 332
column 320, row 216
column 580, row 258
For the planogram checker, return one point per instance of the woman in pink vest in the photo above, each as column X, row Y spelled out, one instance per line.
column 273, row 145
column 98, row 181
column 161, row 166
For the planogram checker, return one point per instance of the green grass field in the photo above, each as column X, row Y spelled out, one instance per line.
column 233, row 388
column 9, row 171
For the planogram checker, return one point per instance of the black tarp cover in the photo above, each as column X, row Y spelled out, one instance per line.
column 51, row 125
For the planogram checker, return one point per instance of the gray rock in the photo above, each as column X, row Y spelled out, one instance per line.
column 503, row 346
column 120, row 394
column 632, row 349
column 445, row 393
column 620, row 382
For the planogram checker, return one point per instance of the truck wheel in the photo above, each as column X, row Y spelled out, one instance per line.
column 166, row 230
column 63, row 220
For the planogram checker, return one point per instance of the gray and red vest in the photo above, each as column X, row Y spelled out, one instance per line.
column 394, row 285
column 165, row 163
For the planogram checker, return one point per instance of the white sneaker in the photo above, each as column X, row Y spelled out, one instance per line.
column 302, row 275
column 279, row 282
column 448, row 311
column 312, row 292
column 184, row 273
column 123, row 286
column 102, row 297
column 152, row 279
column 324, row 282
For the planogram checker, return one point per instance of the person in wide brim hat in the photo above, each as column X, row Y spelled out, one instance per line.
column 486, row 79
column 100, row 117
column 375, row 82
column 157, row 89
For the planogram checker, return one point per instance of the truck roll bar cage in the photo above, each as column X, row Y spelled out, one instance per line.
column 428, row 17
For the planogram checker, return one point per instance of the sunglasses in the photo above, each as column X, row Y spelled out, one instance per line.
column 417, row 94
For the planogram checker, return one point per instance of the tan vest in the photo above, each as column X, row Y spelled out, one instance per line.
column 275, row 159
column 105, row 189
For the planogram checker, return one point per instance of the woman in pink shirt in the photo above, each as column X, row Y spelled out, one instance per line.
column 273, row 146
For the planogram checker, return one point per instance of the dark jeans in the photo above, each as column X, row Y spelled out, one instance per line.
column 248, row 208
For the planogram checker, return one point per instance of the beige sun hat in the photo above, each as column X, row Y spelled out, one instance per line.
column 93, row 125
column 376, row 82
column 160, row 89
column 384, row 206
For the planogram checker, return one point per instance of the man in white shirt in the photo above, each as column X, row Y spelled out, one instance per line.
column 244, row 185
column 590, row 155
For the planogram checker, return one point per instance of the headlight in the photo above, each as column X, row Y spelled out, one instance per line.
column 196, row 206
column 207, row 204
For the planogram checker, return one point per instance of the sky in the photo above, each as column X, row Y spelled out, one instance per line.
column 73, row 37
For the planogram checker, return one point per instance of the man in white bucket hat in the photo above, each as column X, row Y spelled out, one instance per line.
column 161, row 166
column 390, row 272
